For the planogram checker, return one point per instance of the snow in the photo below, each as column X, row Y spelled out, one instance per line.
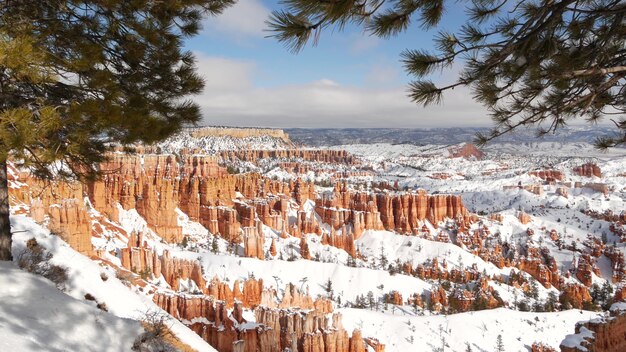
column 36, row 316
column 480, row 329
column 85, row 277
column 347, row 282
column 481, row 185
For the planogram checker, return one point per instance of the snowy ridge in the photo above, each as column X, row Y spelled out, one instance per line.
column 211, row 144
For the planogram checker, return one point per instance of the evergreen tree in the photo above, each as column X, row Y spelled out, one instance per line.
column 383, row 258
column 76, row 76
column 371, row 302
column 551, row 302
column 328, row 287
column 215, row 248
column 534, row 289
column 499, row 344
column 529, row 62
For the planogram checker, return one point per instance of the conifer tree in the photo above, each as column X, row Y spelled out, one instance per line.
column 499, row 344
column 529, row 62
column 79, row 75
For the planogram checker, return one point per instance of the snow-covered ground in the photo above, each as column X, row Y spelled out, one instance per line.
column 36, row 316
column 519, row 330
column 126, row 306
column 481, row 185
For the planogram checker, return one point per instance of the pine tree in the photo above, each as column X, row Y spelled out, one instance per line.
column 371, row 302
column 215, row 248
column 328, row 287
column 383, row 258
column 551, row 302
column 499, row 344
column 76, row 76
column 534, row 289
column 530, row 63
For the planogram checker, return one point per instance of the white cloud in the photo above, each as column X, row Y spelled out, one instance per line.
column 382, row 75
column 363, row 42
column 245, row 18
column 230, row 98
column 221, row 74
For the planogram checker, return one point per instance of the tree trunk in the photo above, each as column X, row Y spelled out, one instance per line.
column 5, row 225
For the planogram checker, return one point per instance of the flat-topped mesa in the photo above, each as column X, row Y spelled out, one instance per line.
column 237, row 132
column 401, row 212
column 317, row 155
column 588, row 170
column 606, row 334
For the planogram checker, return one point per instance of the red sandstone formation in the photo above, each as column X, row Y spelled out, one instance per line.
column 323, row 156
column 401, row 212
column 588, row 170
column 598, row 187
column 343, row 241
column 620, row 293
column 536, row 189
column 276, row 329
column 540, row 347
column 304, row 249
column 540, row 265
column 273, row 248
column 394, row 297
column 548, row 175
column 524, row 218
column 71, row 222
column 607, row 335
column 253, row 241
column 438, row 299
column 497, row 217
column 144, row 261
column 466, row 151
column 618, row 264
column 60, row 202
column 576, row 295
column 585, row 270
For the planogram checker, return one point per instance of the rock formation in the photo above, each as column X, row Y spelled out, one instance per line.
column 599, row 335
column 466, row 151
column 588, row 170
column 401, row 212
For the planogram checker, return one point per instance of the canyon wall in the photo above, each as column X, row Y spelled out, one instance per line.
column 599, row 335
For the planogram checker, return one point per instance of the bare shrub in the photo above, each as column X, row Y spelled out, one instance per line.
column 89, row 297
column 124, row 276
column 102, row 306
column 36, row 260
column 157, row 325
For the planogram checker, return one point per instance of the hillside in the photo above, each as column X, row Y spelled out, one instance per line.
column 353, row 248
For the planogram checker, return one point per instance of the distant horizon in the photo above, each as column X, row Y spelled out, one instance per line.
column 585, row 127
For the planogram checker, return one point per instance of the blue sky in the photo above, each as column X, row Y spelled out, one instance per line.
column 350, row 79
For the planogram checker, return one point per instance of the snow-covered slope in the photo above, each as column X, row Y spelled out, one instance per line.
column 36, row 316
column 126, row 306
